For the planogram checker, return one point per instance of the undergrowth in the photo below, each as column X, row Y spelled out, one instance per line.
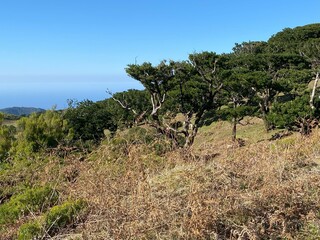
column 57, row 218
column 32, row 200
column 265, row 190
column 131, row 189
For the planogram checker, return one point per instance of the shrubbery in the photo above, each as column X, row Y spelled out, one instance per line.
column 32, row 200
column 57, row 217
column 88, row 120
column 41, row 131
column 7, row 137
column 294, row 115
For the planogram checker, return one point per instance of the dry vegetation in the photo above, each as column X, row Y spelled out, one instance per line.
column 265, row 190
column 217, row 190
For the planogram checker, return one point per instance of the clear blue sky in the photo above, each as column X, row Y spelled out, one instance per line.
column 54, row 50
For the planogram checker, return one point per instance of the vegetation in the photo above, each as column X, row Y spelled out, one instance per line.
column 209, row 149
column 31, row 200
column 56, row 218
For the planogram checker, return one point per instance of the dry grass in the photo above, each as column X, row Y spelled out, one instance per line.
column 216, row 190
column 265, row 190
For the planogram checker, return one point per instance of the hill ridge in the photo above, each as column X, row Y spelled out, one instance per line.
column 20, row 111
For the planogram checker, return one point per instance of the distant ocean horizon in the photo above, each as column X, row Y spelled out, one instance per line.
column 54, row 92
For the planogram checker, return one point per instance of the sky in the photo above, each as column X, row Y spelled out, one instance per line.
column 54, row 50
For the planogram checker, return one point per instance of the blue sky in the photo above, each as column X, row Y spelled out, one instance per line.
column 54, row 50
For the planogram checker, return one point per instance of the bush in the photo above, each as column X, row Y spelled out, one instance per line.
column 62, row 215
column 6, row 139
column 32, row 200
column 292, row 114
column 56, row 218
column 41, row 131
column 88, row 120
column 30, row 230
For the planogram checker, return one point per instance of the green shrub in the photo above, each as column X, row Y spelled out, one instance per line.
column 30, row 230
column 287, row 114
column 6, row 139
column 88, row 120
column 63, row 215
column 41, row 131
column 56, row 218
column 32, row 200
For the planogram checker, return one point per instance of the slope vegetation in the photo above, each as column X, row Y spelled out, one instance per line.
column 135, row 186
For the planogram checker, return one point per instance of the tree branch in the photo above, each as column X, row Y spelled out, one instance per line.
column 122, row 104
column 314, row 91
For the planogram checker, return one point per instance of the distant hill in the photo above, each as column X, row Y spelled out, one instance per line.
column 20, row 111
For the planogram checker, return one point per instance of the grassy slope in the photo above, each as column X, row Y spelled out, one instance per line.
column 217, row 190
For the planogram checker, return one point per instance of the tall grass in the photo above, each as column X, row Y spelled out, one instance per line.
column 265, row 190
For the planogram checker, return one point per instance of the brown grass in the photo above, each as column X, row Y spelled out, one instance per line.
column 216, row 190
column 265, row 190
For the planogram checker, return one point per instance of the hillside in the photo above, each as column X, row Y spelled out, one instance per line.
column 21, row 111
column 135, row 188
column 220, row 146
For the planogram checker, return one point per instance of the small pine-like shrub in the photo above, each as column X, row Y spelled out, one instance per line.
column 30, row 230
column 32, row 200
column 57, row 217
column 62, row 215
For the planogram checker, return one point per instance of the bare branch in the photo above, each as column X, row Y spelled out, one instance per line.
column 314, row 91
column 122, row 104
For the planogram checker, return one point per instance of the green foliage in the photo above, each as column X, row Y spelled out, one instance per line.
column 41, row 131
column 7, row 137
column 186, row 90
column 251, row 47
column 32, row 200
column 287, row 114
column 291, row 40
column 88, row 120
column 1, row 118
column 56, row 218
column 11, row 117
column 230, row 113
column 155, row 79
column 30, row 230
column 128, row 108
column 157, row 82
column 62, row 215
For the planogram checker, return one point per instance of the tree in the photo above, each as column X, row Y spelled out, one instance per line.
column 291, row 40
column 128, row 108
column 88, row 120
column 251, row 47
column 156, row 80
column 189, row 87
column 239, row 94
column 311, row 51
column 264, row 72
column 294, row 115
column 304, row 42
column 198, row 85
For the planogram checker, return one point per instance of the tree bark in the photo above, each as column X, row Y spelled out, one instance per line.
column 191, row 136
column 314, row 91
column 234, row 129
